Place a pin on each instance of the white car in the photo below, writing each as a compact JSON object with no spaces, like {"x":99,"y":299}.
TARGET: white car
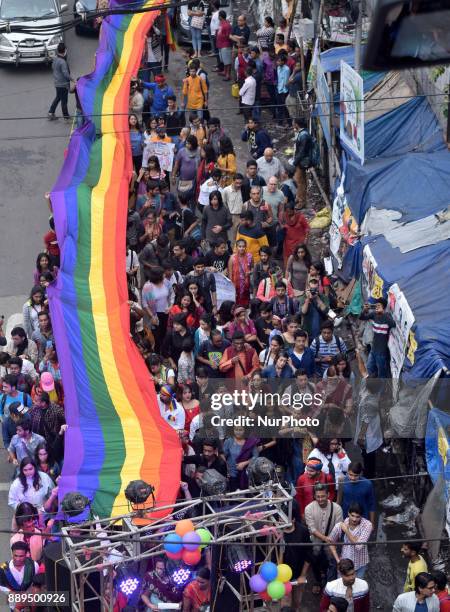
{"x":24,"y":48}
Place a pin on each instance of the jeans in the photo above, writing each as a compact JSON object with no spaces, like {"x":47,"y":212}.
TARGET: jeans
{"x":196,"y":36}
{"x":360,"y":572}
{"x":282,"y":111}
{"x":165,"y":51}
{"x":377,"y":364}
{"x":62,"y":95}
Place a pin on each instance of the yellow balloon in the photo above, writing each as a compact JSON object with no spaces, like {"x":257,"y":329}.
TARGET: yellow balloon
{"x":184,"y":526}
{"x":284,"y":572}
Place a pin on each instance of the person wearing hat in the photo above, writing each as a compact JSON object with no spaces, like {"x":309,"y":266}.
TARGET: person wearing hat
{"x":170,"y":409}
{"x":161,"y":92}
{"x":312,"y":475}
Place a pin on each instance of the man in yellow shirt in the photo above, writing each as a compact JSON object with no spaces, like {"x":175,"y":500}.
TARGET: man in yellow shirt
{"x":195,"y":92}
{"x":417,"y":564}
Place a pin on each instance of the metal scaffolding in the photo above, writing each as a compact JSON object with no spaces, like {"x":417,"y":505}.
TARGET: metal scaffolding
{"x":100,"y":545}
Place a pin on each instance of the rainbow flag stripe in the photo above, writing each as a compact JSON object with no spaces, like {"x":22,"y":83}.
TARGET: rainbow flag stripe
{"x":115,"y":432}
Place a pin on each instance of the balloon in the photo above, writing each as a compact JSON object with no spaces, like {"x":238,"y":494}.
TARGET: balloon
{"x":184,"y":526}
{"x":284,"y":572}
{"x":257,"y":583}
{"x":268,"y":571}
{"x":191,"y":557}
{"x":287,"y":588}
{"x":276,"y":589}
{"x":265,"y":596}
{"x":172,"y":543}
{"x":191,"y":540}
{"x":205,"y":536}
{"x":174,"y":556}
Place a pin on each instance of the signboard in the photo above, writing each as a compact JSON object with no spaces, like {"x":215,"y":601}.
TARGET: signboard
{"x":352,"y":111}
{"x":324,"y":103}
{"x":374,"y":282}
{"x":164,"y":151}
{"x":225,"y":290}
{"x":398,"y":338}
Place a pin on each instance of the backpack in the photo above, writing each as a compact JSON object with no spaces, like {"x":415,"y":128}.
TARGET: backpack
{"x":338,"y":342}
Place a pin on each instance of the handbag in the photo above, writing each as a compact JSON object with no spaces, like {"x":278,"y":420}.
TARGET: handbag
{"x":184,"y":187}
{"x":197,"y":21}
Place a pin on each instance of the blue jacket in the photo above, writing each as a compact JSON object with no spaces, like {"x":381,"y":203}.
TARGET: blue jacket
{"x":262,"y":141}
{"x":307,"y":362}
{"x":159,"y":105}
{"x":270,"y":372}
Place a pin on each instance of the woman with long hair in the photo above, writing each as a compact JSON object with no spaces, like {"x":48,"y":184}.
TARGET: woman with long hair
{"x":196,"y":292}
{"x":31,"y":309}
{"x":238,"y":451}
{"x":45,"y":462}
{"x":152,"y":227}
{"x":32,"y":486}
{"x":297,"y":267}
{"x":317,"y":271}
{"x":44,"y":264}
{"x":27,"y":520}
{"x":207,"y":164}
{"x":216,"y":219}
{"x":240,"y":266}
{"x":154,"y":169}
{"x":226,"y":161}
{"x":136,"y":141}
{"x":189,"y":402}
{"x":269,"y":354}
{"x":280,"y":368}
{"x":173,"y":341}
{"x":184,"y":303}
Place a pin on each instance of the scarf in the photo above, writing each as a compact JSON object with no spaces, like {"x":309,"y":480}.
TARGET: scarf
{"x":7,"y":578}
{"x":167,"y":391}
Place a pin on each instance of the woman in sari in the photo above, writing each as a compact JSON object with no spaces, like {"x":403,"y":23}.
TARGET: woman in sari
{"x":240,"y":267}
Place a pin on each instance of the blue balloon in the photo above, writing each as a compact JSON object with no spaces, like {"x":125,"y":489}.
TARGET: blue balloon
{"x":268,"y":571}
{"x":173,"y":543}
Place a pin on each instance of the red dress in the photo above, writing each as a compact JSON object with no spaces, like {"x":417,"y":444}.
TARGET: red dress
{"x":296,"y":232}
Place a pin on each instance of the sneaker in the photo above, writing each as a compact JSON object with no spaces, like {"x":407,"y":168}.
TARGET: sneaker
{"x":51,"y":116}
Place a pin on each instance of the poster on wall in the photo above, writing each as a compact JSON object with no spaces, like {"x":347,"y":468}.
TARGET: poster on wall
{"x":352,"y":111}
{"x":374,"y":282}
{"x":398,"y":338}
{"x":323,"y":102}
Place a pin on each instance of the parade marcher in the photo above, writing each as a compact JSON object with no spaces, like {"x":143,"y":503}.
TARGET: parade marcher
{"x":63,"y":82}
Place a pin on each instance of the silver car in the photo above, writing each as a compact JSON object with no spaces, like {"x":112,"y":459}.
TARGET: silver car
{"x":23,"y":48}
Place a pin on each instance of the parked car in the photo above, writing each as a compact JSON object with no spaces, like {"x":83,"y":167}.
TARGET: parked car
{"x":82,"y":8}
{"x":183,"y":28}
{"x":23,"y":48}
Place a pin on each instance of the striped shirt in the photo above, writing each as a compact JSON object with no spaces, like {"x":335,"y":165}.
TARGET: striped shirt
{"x":357,"y":553}
{"x":325,"y":349}
{"x":358,"y":600}
{"x":381,"y":326}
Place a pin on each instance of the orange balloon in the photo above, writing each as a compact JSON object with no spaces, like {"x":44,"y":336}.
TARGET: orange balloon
{"x":184,"y":526}
{"x":191,"y":557}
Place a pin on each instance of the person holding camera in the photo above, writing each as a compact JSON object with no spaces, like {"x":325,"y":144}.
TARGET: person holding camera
{"x":314,"y":307}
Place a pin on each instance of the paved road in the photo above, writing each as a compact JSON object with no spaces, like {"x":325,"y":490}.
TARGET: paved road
{"x":31,"y":152}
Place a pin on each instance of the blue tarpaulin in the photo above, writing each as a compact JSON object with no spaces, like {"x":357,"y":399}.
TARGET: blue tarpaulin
{"x":424,"y":277}
{"x":437,"y":445}
{"x":410,"y":127}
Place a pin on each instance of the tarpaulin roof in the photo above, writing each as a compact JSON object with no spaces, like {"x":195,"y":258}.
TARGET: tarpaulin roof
{"x":415,"y":184}
{"x":424,"y":277}
{"x":331,"y":62}
{"x":410,"y":127}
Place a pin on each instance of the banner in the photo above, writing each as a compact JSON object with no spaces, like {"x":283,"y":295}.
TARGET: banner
{"x":164,"y":151}
{"x":225,"y":290}
{"x":398,"y":337}
{"x":352,"y":111}
{"x":324,"y":104}
{"x":374,"y":282}
{"x":437,"y":445}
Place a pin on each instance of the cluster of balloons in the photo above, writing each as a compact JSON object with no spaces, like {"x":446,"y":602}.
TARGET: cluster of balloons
{"x":187,"y":542}
{"x":272,"y":581}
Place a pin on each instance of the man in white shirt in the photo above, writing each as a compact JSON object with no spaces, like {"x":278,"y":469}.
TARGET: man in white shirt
{"x":268,"y":165}
{"x":17,"y":576}
{"x":248,"y":94}
{"x":232,"y":198}
{"x":422,"y":598}
{"x":210,"y":185}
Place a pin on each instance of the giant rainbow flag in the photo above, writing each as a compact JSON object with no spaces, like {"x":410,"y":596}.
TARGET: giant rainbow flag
{"x":115,"y":430}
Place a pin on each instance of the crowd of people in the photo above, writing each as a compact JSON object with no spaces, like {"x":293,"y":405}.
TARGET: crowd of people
{"x":190,"y":225}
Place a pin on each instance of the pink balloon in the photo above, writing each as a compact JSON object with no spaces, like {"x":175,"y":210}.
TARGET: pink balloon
{"x":288,"y":587}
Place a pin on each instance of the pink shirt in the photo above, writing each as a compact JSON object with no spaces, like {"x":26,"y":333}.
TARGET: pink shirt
{"x":223,"y":35}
